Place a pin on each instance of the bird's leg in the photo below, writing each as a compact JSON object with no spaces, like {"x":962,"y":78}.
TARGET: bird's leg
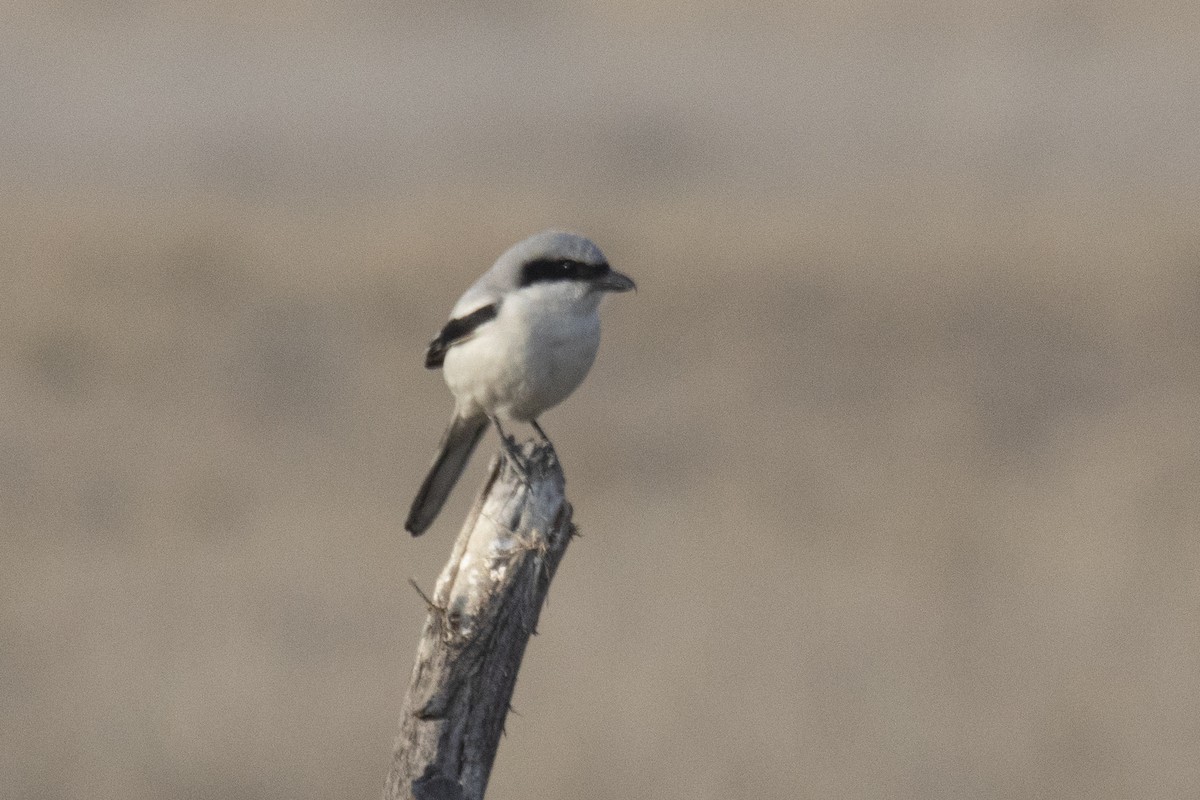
{"x":509,"y":442}
{"x":542,"y":434}
{"x":511,"y":449}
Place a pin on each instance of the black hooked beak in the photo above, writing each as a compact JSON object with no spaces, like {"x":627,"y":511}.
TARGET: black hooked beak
{"x":613,"y":281}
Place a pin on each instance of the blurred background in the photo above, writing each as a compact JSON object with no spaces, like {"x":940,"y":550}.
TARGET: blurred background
{"x":889,"y":474}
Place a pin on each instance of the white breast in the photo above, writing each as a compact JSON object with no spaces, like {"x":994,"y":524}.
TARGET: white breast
{"x":536,"y":351}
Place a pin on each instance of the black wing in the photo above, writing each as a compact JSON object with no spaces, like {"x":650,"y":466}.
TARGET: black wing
{"x":455,"y":331}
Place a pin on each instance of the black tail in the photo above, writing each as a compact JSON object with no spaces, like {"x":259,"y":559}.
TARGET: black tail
{"x":452,"y":456}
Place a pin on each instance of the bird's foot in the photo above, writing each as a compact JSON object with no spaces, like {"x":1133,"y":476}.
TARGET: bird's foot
{"x":516,"y":456}
{"x":513,"y":453}
{"x":545,"y":438}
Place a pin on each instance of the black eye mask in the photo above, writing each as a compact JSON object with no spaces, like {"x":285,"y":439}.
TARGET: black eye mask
{"x":559,"y":269}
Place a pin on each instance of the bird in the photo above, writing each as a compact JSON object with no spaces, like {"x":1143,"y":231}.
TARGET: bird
{"x":519,"y":341}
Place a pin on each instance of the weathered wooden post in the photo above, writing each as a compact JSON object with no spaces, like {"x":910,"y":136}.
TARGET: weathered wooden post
{"x":483,"y":610}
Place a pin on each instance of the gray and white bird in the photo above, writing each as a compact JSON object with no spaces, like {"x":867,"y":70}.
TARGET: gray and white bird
{"x":518,"y":342}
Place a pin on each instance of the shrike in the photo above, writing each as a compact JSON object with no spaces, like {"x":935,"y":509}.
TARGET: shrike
{"x":518,"y":342}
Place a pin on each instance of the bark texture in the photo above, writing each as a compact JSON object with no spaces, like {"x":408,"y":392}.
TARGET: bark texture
{"x":482,"y":612}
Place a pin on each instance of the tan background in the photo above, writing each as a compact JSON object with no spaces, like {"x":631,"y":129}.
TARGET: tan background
{"x":889,"y":474}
